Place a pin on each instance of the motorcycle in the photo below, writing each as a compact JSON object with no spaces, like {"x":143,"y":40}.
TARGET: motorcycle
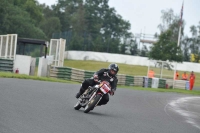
{"x":91,"y":97}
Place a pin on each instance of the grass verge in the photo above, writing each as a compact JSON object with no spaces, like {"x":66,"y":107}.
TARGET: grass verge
{"x":22,"y":76}
{"x":193,"y":92}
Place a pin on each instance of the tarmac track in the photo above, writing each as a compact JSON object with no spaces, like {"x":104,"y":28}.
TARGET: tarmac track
{"x":28,"y":106}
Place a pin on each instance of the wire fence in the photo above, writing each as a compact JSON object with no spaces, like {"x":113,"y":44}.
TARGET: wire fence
{"x":79,"y":41}
{"x":89,"y":41}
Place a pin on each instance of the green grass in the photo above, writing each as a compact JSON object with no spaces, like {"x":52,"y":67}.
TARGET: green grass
{"x":133,"y":70}
{"x":95,"y":65}
{"x":193,"y":92}
{"x":23,"y":76}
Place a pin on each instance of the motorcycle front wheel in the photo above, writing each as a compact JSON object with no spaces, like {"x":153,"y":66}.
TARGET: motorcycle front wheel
{"x":77,"y":106}
{"x":92,"y":103}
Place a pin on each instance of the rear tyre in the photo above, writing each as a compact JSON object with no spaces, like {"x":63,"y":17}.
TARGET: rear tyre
{"x":92,"y":103}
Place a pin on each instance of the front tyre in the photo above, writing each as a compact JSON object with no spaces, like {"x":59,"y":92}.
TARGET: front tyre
{"x":77,"y":106}
{"x":92,"y":103}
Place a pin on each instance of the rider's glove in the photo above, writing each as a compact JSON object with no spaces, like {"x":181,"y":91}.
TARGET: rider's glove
{"x":96,"y":78}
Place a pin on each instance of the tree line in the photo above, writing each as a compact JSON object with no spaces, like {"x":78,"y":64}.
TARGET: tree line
{"x":95,"y":26}
{"x":166,"y":47}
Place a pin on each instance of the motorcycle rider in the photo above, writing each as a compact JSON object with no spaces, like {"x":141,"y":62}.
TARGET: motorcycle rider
{"x":108,"y":75}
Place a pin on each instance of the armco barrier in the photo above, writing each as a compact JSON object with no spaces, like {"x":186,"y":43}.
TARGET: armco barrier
{"x":68,"y":73}
{"x":169,"y":82}
{"x":155,"y":83}
{"x":187,"y":87}
{"x":181,"y":84}
{"x":61,"y":73}
{"x":145,"y":82}
{"x":6,"y":65}
{"x":73,"y":74}
{"x":138,"y":81}
{"x":78,"y":75}
{"x":149,"y":82}
{"x":88,"y":74}
{"x":162,"y":83}
{"x":129,"y":81}
{"x":121,"y":79}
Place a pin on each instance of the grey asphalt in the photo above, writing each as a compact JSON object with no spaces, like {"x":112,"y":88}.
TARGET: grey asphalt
{"x":28,"y":106}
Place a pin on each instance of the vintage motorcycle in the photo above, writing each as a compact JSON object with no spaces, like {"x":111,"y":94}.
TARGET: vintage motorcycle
{"x":91,"y":97}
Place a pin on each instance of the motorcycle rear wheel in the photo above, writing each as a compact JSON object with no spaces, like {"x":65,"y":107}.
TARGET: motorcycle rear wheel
{"x":92,"y":103}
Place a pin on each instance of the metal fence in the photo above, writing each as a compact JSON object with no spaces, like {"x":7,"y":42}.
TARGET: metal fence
{"x":70,"y":35}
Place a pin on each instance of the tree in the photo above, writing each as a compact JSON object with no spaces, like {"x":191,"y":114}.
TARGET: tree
{"x":123,"y":48}
{"x":185,"y":48}
{"x":15,"y":20}
{"x":65,"y":10}
{"x":32,"y":7}
{"x":144,"y":51}
{"x":125,"y":45}
{"x":166,"y":49}
{"x":195,"y":42}
{"x":35,"y":11}
{"x":76,"y":42}
{"x":167,"y":19}
{"x":94,"y":22}
{"x":50,"y":24}
{"x":170,"y":21}
{"x":78,"y":20}
{"x":134,"y":47}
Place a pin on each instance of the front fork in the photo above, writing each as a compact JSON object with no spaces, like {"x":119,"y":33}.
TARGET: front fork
{"x":86,"y":91}
{"x":92,"y":97}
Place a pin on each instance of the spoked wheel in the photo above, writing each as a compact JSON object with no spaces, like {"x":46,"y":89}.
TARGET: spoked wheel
{"x":77,"y":106}
{"x":92,"y":103}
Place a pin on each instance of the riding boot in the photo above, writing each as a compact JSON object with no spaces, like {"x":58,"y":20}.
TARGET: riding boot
{"x":81,"y":91}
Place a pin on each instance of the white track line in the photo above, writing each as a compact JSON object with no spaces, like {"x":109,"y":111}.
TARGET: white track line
{"x":176,"y":105}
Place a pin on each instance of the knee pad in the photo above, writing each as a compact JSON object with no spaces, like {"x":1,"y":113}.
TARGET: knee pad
{"x":85,"y":84}
{"x":105,"y":99}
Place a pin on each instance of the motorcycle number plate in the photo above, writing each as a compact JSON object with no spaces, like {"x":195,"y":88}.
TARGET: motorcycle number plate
{"x":105,"y":89}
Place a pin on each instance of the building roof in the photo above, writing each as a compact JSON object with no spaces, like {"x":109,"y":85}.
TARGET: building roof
{"x":31,"y":41}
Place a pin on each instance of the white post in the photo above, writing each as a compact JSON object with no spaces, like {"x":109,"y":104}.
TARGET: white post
{"x":15,"y":46}
{"x":174,"y":75}
{"x":56,"y":58}
{"x":148,"y":68}
{"x":6,"y":52}
{"x":11,"y":45}
{"x":50,"y":47}
{"x":178,"y":44}
{"x":1,"y":44}
{"x":60,"y":48}
{"x":179,"y":36}
{"x":63,"y":53}
{"x":162,"y":69}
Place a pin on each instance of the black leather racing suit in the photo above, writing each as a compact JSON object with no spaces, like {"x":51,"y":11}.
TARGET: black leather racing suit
{"x":103,"y":76}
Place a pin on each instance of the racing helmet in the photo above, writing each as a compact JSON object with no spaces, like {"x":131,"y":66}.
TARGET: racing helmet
{"x":113,"y":69}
